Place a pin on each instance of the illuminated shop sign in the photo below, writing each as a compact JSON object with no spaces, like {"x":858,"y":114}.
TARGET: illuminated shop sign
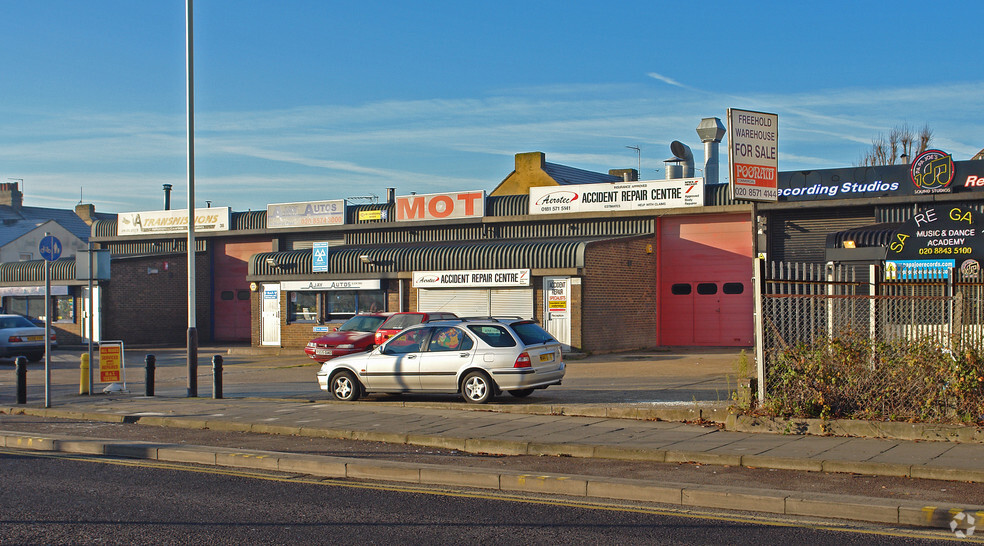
{"x":306,"y":214}
{"x":656,"y":194}
{"x":471,"y":278}
{"x":171,"y":221}
{"x":441,"y":206}
{"x":931,"y":172}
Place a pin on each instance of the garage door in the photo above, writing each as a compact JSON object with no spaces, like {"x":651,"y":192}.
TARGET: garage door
{"x":482,"y":302}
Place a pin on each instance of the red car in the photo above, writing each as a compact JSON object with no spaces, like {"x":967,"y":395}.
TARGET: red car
{"x":400,"y":321}
{"x":354,"y":336}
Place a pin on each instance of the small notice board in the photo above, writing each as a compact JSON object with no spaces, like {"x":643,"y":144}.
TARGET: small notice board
{"x":111,"y":365}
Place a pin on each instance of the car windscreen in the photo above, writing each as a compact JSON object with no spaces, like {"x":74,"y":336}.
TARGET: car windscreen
{"x":361,"y":323}
{"x":494,"y":335}
{"x":16,"y":322}
{"x":531,"y":334}
{"x":399,"y":322}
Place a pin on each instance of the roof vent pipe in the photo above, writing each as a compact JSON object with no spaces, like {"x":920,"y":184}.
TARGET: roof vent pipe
{"x":710,"y":132}
{"x":167,"y":197}
{"x":685,"y":158}
{"x":390,"y":195}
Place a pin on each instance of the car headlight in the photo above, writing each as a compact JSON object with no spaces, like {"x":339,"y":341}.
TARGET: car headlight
{"x":345,"y":346}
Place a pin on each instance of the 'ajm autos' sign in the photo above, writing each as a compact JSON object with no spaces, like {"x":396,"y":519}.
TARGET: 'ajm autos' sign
{"x":471,"y":278}
{"x":172,"y":221}
{"x":306,"y":214}
{"x":680,"y":192}
{"x":753,"y":152}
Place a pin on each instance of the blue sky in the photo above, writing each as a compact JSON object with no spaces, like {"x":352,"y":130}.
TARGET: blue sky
{"x":307,"y":100}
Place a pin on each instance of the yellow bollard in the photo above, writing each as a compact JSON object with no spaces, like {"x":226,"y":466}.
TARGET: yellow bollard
{"x":84,"y":378}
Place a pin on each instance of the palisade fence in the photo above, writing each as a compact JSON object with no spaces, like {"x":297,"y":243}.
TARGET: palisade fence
{"x":815,"y":303}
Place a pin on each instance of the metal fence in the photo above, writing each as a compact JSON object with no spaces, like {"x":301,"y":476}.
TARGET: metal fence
{"x":813,"y":303}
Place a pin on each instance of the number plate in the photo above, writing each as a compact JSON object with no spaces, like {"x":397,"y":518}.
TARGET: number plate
{"x":35,"y":338}
{"x":325,"y":352}
{"x":546,"y":357}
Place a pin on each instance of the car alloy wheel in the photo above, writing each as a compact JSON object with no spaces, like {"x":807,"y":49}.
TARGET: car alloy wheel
{"x":477,"y":388}
{"x":344,"y":387}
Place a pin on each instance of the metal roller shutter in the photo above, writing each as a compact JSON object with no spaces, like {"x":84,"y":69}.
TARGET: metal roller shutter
{"x":512,"y":302}
{"x":464,"y":303}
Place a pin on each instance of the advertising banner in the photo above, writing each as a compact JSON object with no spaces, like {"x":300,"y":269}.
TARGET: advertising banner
{"x":306,"y":214}
{"x":357,"y":284}
{"x":933,"y":172}
{"x":649,"y":194}
{"x":471,"y":278}
{"x":441,"y":206}
{"x":753,"y":152}
{"x":171,"y":221}
{"x":945,"y":235}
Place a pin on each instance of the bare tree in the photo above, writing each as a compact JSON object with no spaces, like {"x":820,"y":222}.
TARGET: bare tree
{"x":901,"y":145}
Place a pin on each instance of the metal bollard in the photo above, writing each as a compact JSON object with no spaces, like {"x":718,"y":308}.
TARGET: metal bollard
{"x":84,"y":374}
{"x":149,"y":369}
{"x":21,"y":365}
{"x":217,"y":376}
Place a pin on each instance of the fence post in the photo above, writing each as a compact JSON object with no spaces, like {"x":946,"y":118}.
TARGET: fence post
{"x":757,"y":280}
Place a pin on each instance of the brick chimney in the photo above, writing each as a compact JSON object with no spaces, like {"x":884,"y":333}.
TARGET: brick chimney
{"x":11,"y":196}
{"x":86,"y":212}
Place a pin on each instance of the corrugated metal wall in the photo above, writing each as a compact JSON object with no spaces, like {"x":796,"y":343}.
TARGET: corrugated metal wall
{"x":800,"y":235}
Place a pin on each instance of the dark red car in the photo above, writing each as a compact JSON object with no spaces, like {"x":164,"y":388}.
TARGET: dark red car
{"x":400,"y":321}
{"x":356,"y":335}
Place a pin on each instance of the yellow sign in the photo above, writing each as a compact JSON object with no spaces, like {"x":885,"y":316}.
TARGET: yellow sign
{"x":110,"y":361}
{"x":370,"y":215}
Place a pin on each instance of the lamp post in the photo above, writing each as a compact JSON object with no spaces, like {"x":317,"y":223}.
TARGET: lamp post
{"x":639,"y":156}
{"x":192,"y":329}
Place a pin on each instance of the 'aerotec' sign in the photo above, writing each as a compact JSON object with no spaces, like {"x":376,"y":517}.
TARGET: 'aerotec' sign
{"x":681,"y":192}
{"x":471,"y":278}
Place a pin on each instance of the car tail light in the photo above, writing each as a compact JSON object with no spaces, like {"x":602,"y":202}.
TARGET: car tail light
{"x":15,"y":339}
{"x":523,"y":361}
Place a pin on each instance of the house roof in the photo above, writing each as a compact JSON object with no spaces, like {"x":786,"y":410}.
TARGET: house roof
{"x":15,"y":223}
{"x":565,"y":175}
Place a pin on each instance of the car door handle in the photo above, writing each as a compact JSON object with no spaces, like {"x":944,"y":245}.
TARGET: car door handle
{"x":464,"y":355}
{"x":412,"y":355}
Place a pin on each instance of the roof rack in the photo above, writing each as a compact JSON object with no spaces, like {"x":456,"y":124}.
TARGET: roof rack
{"x":489,"y":318}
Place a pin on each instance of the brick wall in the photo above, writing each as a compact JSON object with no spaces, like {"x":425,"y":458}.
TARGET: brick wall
{"x":146,"y":302}
{"x":617,"y":297}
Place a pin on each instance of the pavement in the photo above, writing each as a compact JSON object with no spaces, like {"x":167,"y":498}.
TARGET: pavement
{"x":646,"y":408}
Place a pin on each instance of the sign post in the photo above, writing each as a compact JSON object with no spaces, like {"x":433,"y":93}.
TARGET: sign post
{"x":753,"y":153}
{"x":50,"y":249}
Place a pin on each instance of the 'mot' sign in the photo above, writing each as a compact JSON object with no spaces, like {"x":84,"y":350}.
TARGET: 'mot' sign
{"x":440,"y":206}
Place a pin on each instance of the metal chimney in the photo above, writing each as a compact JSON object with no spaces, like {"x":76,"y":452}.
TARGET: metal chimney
{"x":683,"y":159}
{"x":710,"y":132}
{"x":167,"y":197}
{"x":390,"y":195}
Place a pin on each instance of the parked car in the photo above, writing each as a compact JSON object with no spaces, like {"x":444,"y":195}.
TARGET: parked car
{"x":21,"y":337}
{"x":478,"y":358}
{"x":355,"y":335}
{"x":402,"y":320}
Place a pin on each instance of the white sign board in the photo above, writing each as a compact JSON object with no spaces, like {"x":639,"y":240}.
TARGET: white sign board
{"x":306,"y":214}
{"x":652,"y":194}
{"x":753,"y":153}
{"x":471,"y":278}
{"x":172,"y":221}
{"x":441,"y":206}
{"x":357,"y":284}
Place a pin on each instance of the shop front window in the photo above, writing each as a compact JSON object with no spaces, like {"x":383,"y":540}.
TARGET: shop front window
{"x":62,"y":307}
{"x":302,"y":307}
{"x":344,"y":303}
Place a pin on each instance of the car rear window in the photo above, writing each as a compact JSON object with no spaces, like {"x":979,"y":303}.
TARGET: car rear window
{"x":399,"y":322}
{"x":531,"y":334}
{"x":361,"y":323}
{"x":496,"y":336}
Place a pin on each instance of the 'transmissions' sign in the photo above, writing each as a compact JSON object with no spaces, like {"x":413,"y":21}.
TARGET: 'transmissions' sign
{"x":681,"y":192}
{"x":753,"y":151}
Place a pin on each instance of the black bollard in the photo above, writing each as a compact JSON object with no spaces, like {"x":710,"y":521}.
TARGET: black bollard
{"x":217,"y":376}
{"x":151,"y":367}
{"x":21,"y":366}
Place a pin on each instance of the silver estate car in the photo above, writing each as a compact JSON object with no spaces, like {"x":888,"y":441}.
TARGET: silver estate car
{"x":478,"y":358}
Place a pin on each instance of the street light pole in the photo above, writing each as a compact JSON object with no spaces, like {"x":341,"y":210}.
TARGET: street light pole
{"x":639,"y":154}
{"x":192,"y":329}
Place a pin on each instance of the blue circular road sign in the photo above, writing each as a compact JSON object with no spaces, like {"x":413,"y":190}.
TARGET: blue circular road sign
{"x":50,"y":248}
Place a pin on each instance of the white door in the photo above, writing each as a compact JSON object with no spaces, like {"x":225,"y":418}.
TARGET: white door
{"x":96,"y":315}
{"x":557,"y":309}
{"x":512,"y":302}
{"x":270,"y":325}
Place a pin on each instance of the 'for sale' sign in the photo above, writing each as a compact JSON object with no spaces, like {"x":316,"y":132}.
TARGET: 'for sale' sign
{"x":753,"y":152}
